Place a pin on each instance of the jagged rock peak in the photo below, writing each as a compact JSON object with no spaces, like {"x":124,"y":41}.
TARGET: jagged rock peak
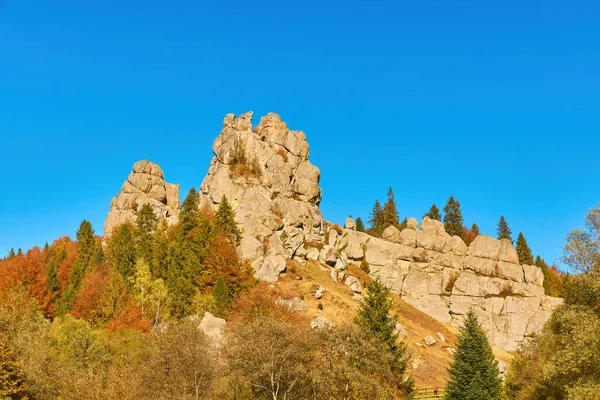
{"x":265,"y":174}
{"x":145,"y":185}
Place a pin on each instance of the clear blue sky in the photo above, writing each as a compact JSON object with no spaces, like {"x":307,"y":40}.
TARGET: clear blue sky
{"x":496,"y":102}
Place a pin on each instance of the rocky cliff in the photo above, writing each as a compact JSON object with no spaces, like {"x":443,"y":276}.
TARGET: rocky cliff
{"x":145,"y":185}
{"x":265,"y":173}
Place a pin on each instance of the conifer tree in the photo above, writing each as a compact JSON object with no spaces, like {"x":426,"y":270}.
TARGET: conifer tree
{"x":221,"y":296}
{"x":376,"y":220}
{"x":360,"y":225}
{"x":11,"y":253}
{"x":12,"y":383}
{"x":541,"y":264}
{"x":374,"y":316}
{"x":390,"y":212}
{"x":146,"y":223}
{"x":122,"y":251}
{"x":453,"y":219}
{"x":19,"y":252}
{"x":504,"y":231}
{"x":433,"y":213}
{"x":403,"y":224}
{"x":523,"y":250}
{"x":475,"y":229}
{"x":190,"y":212}
{"x":474,"y":373}
{"x":225,"y":221}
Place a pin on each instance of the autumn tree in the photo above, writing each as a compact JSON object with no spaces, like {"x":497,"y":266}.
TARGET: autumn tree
{"x":360,"y":225}
{"x":12,"y":382}
{"x":433,"y":213}
{"x":523,"y":251}
{"x":504,"y":231}
{"x":474,"y":373}
{"x":225,"y":221}
{"x":453,"y":218}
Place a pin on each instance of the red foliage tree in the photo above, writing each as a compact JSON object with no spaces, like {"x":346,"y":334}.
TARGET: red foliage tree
{"x":130,"y":317}
{"x":89,"y":303}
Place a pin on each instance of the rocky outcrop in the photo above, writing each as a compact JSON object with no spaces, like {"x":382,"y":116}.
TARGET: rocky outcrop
{"x":439,"y":275}
{"x":145,"y":185}
{"x":265,"y":174}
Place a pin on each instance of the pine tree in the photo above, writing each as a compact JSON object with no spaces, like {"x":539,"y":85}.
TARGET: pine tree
{"x":453,"y":219}
{"x":374,"y":316}
{"x":504,"y":231}
{"x":12,"y":384}
{"x":11,"y":253}
{"x":190,"y":213}
{"x":433,"y":213}
{"x":403,"y":224}
{"x":146,"y":223}
{"x":475,"y":229}
{"x":523,"y":250}
{"x":122,"y":251}
{"x":222,"y":297}
{"x":376,"y":220}
{"x":541,"y":264}
{"x":360,"y":225}
{"x":474,"y":373}
{"x":390,"y":212}
{"x":19,"y":252}
{"x":225,"y":221}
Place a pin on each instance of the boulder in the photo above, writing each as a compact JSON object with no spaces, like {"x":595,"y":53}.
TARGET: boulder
{"x":433,"y":225}
{"x":350,"y":224}
{"x":412,"y":223}
{"x":429,"y":340}
{"x":408,"y":237}
{"x":328,"y":255}
{"x":484,"y":247}
{"x":322,"y":323}
{"x":455,"y":245}
{"x":399,"y":330}
{"x":533,"y":275}
{"x":212,"y":326}
{"x":319,"y":292}
{"x":441,"y":336}
{"x":391,"y":233}
{"x":293,"y":304}
{"x":507,"y":252}
{"x":353,"y":284}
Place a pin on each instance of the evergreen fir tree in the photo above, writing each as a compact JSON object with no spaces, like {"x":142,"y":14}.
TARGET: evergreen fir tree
{"x":51,"y":275}
{"x":11,"y":253}
{"x":523,"y":250}
{"x":390,"y":212}
{"x":403,"y":224}
{"x":541,"y":264}
{"x":376,"y":220}
{"x":190,"y":213}
{"x":12,"y":383}
{"x":475,"y":229}
{"x":474,"y":373}
{"x":225,"y":221}
{"x":453,"y":219}
{"x":504,"y":231}
{"x":146,"y":223}
{"x":433,"y":213}
{"x":222,"y":297}
{"x":374,"y":316}
{"x":160,"y":252}
{"x":360,"y":225}
{"x":123,"y":252}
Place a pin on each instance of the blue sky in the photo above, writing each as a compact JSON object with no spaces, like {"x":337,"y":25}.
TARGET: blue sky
{"x":497,"y":103}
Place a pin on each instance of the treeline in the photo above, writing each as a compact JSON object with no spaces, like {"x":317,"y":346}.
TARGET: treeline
{"x":387,"y":215}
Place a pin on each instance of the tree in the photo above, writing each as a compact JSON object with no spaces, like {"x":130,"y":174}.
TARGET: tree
{"x":390,"y":212}
{"x":376,"y":220}
{"x":122,"y":251}
{"x":474,"y":373}
{"x":11,"y":253}
{"x":504,"y":231}
{"x":12,"y":383}
{"x":222,"y":297}
{"x":475,"y":229}
{"x":453,"y":219}
{"x":374,"y":316}
{"x":360,"y":225}
{"x":190,"y":213}
{"x":582,"y":246}
{"x":523,"y":251}
{"x":225,"y":221}
{"x":541,"y":264}
{"x":433,"y":213}
{"x":146,"y":223}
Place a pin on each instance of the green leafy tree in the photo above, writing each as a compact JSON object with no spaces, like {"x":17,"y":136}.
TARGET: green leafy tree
{"x":360,"y":225}
{"x":374,"y":316}
{"x":222,"y":297}
{"x":453,"y":218}
{"x":12,"y":383}
{"x":390,"y":212}
{"x":146,"y":223}
{"x":474,"y":373}
{"x":433,"y":213}
{"x":475,"y":229}
{"x":89,"y":253}
{"x":523,"y":250}
{"x":376,"y":219}
{"x":225,"y":221}
{"x":504,"y":231}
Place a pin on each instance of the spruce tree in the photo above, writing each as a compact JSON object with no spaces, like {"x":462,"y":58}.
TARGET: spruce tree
{"x":190,"y":212}
{"x":390,"y":212}
{"x":19,"y":252}
{"x":433,"y":213}
{"x":474,"y":229}
{"x":523,"y":250}
{"x":360,"y":225}
{"x":376,"y":219}
{"x":474,"y":373}
{"x":11,"y":253}
{"x":221,"y":296}
{"x":453,"y":219}
{"x":504,"y":231}
{"x":122,"y":251}
{"x":225,"y":221}
{"x":541,"y":264}
{"x":146,"y":223}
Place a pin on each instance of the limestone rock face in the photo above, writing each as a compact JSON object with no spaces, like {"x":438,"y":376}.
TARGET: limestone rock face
{"x":444,"y":278}
{"x":266,"y":176}
{"x":145,"y":185}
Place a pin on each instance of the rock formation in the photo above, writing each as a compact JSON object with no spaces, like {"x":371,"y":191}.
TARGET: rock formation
{"x":145,"y":185}
{"x":265,"y":174}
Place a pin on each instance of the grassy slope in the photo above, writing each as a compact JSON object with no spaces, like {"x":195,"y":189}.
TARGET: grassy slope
{"x":429,"y":362}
